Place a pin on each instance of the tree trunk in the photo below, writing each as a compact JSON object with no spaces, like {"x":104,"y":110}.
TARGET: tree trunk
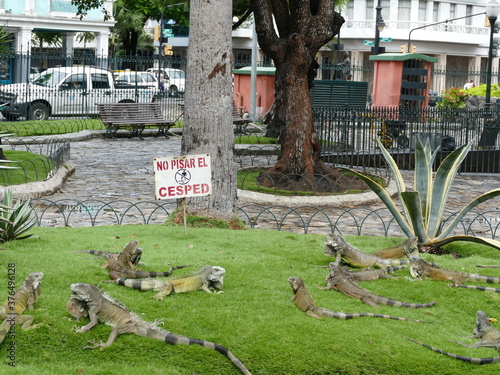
{"x":304,"y":26}
{"x":208,"y":126}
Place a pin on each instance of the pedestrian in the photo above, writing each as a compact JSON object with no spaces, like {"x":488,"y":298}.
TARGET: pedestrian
{"x":469,"y":85}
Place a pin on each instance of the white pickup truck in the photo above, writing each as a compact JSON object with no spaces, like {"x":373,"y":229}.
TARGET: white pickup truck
{"x":67,"y":91}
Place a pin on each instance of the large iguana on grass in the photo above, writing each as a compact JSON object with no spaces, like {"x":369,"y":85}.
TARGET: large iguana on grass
{"x":25,"y":297}
{"x":488,"y":336}
{"x":117,"y":266}
{"x":335,"y":244}
{"x":209,"y":277}
{"x":102,"y":308}
{"x":408,"y":248}
{"x":305,"y":302}
{"x":421,"y":269}
{"x":339,"y":279}
{"x":135,"y":259}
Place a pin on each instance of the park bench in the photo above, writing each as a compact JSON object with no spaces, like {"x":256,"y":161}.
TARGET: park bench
{"x":240,"y":123}
{"x":136,"y":116}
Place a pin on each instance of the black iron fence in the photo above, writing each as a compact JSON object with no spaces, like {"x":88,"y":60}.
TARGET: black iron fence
{"x":349,"y":135}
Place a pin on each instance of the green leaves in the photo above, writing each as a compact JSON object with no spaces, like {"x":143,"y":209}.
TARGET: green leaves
{"x":15,"y":220}
{"x":423,"y":208}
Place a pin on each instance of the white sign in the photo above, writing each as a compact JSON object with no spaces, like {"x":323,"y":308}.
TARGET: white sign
{"x":182,"y":176}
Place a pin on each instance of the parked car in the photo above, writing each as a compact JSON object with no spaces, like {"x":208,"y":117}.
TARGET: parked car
{"x":66,"y":91}
{"x":35,"y":72}
{"x":139,"y":79}
{"x":173,"y":80}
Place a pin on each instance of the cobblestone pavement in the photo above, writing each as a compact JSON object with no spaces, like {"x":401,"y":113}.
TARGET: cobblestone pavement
{"x":122,"y":171}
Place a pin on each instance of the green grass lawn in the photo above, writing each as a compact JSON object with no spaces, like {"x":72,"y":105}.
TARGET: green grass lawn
{"x":30,"y":167}
{"x":50,"y":127}
{"x":254,"y":317}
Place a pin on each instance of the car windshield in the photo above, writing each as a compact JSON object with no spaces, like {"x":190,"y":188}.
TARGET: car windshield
{"x":49,"y":78}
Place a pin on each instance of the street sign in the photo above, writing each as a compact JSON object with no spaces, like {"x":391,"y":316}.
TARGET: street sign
{"x":182,"y":176}
{"x":386,"y":39}
{"x":369,"y":43}
{"x":167,"y":33}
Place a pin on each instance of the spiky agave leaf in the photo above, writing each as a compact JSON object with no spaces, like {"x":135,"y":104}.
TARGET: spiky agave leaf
{"x":445,"y":175}
{"x":482,"y":198}
{"x":386,"y":198}
{"x":484,"y":241}
{"x":16,"y":220}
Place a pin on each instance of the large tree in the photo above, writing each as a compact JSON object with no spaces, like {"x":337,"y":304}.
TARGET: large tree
{"x":291,"y":32}
{"x":208,"y":126}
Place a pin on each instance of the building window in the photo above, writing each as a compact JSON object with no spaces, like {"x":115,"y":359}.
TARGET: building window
{"x":435,"y":11}
{"x":404,"y":11}
{"x":350,"y":10}
{"x":422,"y":10}
{"x":370,"y":9}
{"x":453,"y":8}
{"x":468,"y":10}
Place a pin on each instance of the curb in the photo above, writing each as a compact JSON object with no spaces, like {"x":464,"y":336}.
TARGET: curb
{"x":360,"y":199}
{"x":41,"y":188}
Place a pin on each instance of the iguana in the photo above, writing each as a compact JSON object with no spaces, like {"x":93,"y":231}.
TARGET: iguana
{"x":25,"y":297}
{"x":104,"y":309}
{"x":483,"y":330}
{"x":335,"y":244}
{"x":407,"y":248}
{"x":305,"y":302}
{"x":421,"y":269}
{"x":487,"y":335}
{"x":117,"y":266}
{"x":209,"y":277}
{"x":339,"y":279}
{"x":135,"y":258}
{"x":370,"y":275}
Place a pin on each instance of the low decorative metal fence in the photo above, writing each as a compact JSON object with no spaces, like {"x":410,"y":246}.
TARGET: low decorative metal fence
{"x":346,"y":221}
{"x":54,"y":152}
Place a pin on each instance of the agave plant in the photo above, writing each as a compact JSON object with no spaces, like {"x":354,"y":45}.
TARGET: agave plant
{"x":423,"y":208}
{"x":15,"y":220}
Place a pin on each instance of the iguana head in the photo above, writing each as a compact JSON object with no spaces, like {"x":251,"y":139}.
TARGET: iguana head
{"x":333,"y":245}
{"x":83,"y":292}
{"x":412,"y":248}
{"x":77,"y":309}
{"x":136,"y":256}
{"x":419,"y":266}
{"x":34,"y":279}
{"x":295,"y":283}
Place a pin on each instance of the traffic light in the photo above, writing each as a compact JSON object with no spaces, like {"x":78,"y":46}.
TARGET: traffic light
{"x":167,"y":50}
{"x":404,"y":48}
{"x":413,"y":49}
{"x":157,"y":33}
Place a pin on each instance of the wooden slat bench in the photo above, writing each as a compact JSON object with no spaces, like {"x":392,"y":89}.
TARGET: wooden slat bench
{"x":240,"y":123}
{"x":136,"y":116}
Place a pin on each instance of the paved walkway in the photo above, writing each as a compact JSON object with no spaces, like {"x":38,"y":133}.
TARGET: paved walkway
{"x":121,"y":170}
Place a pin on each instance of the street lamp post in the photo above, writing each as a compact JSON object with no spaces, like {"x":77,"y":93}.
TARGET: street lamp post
{"x":379,"y":26}
{"x":492,"y":10}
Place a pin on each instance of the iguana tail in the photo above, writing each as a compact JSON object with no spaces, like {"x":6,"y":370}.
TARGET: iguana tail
{"x":392,"y":302}
{"x":97,"y":253}
{"x":477,"y":361}
{"x":142,"y":284}
{"x":346,"y":316}
{"x":483,"y":288}
{"x":133,"y":274}
{"x":483,"y":278}
{"x":172,"y":338}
